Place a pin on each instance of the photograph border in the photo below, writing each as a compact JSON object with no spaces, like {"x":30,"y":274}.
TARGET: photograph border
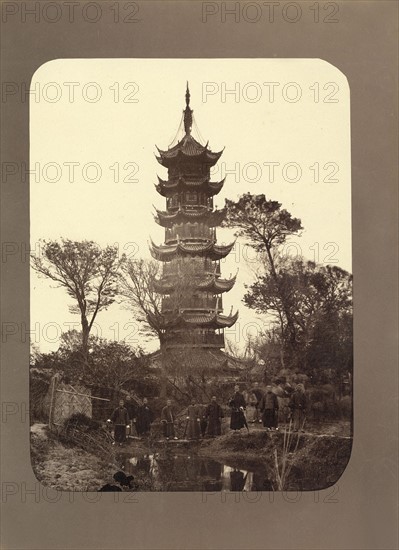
{"x":359,"y":511}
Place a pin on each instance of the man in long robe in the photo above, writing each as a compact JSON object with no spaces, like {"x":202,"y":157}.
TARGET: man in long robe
{"x":237,"y":480}
{"x":144,"y":418}
{"x":258,"y":393}
{"x":131,"y":411}
{"x":168,"y":420}
{"x":120,"y":418}
{"x":203,"y":420}
{"x":214,"y":414}
{"x":238,"y":406}
{"x":298,"y":405}
{"x":269,"y":409}
{"x":193,"y":420}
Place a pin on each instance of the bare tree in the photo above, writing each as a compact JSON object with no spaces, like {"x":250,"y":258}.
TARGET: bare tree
{"x":155,"y":298}
{"x":138,"y":286}
{"x":138,"y":290}
{"x":88,"y":273}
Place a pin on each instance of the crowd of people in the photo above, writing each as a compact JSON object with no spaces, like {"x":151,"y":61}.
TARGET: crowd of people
{"x":275,"y":403}
{"x":280,"y":402}
{"x":128,"y":415}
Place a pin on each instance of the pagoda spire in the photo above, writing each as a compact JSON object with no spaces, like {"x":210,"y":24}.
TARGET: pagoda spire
{"x":188,"y":113}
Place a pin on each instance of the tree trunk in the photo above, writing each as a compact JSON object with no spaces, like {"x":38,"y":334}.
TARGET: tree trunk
{"x":291,"y":337}
{"x":85,"y":343}
{"x":164,"y":377}
{"x":282,"y":358}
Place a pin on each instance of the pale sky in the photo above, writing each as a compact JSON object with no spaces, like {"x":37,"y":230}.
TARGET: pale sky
{"x":94,"y":124}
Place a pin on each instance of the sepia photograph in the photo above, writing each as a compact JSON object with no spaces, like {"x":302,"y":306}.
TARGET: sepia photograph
{"x":191,"y":297}
{"x":199,"y":264}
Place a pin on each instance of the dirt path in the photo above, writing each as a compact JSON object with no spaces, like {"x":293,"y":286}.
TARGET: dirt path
{"x":63,"y":468}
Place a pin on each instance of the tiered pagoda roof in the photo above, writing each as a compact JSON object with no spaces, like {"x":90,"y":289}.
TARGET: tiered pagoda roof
{"x":210,"y":319}
{"x":169,"y":188}
{"x":188,"y":149}
{"x":201,"y":214}
{"x":210,"y":283}
{"x":209,"y":249}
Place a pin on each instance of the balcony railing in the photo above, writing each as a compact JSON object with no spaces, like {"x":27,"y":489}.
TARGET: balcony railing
{"x":192,"y":303}
{"x":201,"y":265}
{"x":193,"y":339}
{"x":189,"y":231}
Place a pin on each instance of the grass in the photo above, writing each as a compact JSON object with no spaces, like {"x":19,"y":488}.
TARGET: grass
{"x":284,"y":466}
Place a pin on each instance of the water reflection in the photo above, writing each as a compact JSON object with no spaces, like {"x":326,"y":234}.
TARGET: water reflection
{"x":171,"y":471}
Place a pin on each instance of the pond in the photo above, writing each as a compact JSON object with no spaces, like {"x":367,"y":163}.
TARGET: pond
{"x":182,"y":470}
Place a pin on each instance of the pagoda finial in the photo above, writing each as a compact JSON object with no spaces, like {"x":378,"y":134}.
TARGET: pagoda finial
{"x":188,"y":113}
{"x":187,"y":95}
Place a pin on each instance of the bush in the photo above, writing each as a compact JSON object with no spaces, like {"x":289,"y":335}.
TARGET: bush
{"x":81,"y":431}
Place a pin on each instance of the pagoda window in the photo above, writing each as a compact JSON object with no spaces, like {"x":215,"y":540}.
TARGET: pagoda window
{"x":192,"y":169}
{"x":169,"y":234}
{"x":191,"y":197}
{"x":191,"y":230}
{"x":173,"y":201}
{"x":173,"y":172}
{"x":203,"y":199}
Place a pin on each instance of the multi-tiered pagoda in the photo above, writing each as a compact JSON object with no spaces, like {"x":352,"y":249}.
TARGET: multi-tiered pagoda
{"x":191,"y":284}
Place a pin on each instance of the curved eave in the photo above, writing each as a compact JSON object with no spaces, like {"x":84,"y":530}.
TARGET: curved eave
{"x":226,"y":320}
{"x":213,"y":218}
{"x":223,"y":250}
{"x":216,"y":186}
{"x":168,"y":188}
{"x":187,"y":145}
{"x":204,"y":320}
{"x":166,"y":253}
{"x":205,"y":157}
{"x":224,"y":285}
{"x":218,"y":286}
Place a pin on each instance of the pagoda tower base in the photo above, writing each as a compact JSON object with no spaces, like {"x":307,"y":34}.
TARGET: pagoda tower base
{"x":197,"y":372}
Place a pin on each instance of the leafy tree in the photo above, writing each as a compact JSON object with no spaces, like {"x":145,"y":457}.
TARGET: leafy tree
{"x":110,"y":364}
{"x":112,"y":369}
{"x":263,"y":222}
{"x":311,"y":304}
{"x":266,"y":226}
{"x":320,"y":303}
{"x":88,"y":273}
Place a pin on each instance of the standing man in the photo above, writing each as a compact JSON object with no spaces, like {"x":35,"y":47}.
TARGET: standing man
{"x":237,"y":480}
{"x":131,"y":411}
{"x":298,"y":404}
{"x":168,"y":420}
{"x":193,"y":420}
{"x":258,"y":393}
{"x":214,"y":414}
{"x":203,"y":420}
{"x":269,"y":408}
{"x":121,"y":420}
{"x":238,"y":406}
{"x":283,"y":400}
{"x":144,"y":418}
